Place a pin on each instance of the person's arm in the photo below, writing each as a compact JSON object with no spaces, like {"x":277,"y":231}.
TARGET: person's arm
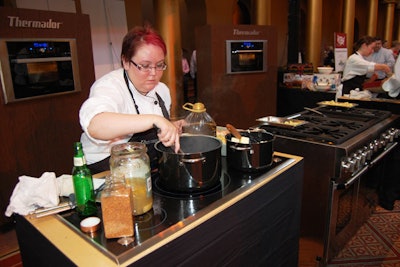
{"x":108,"y":126}
{"x":383,"y":67}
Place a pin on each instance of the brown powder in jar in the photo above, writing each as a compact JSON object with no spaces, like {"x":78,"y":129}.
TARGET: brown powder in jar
{"x":117,"y":214}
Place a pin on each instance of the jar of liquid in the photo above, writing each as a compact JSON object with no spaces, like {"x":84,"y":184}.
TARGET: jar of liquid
{"x":131,"y":160}
{"x":198,"y":121}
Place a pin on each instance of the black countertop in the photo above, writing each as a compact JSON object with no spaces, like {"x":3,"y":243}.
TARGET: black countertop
{"x":170,"y":210}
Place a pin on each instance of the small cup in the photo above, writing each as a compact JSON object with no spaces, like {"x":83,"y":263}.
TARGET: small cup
{"x":90,"y":224}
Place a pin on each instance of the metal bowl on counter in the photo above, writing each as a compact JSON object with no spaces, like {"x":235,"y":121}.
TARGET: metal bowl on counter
{"x":196,"y":167}
{"x":255,"y":155}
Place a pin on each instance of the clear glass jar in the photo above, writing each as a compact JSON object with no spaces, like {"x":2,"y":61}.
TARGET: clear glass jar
{"x":131,"y":160}
{"x":116,"y":206}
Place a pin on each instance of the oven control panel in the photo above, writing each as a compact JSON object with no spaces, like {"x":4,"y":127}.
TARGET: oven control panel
{"x":369,"y":154}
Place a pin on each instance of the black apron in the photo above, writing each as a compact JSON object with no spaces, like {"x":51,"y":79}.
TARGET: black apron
{"x":353,"y":83}
{"x":149,"y":138}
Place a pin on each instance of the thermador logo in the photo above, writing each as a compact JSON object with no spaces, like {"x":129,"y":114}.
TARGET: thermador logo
{"x":239,"y":32}
{"x":21,"y":23}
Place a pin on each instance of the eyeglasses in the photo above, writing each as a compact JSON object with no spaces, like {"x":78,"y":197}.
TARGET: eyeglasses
{"x":147,"y":68}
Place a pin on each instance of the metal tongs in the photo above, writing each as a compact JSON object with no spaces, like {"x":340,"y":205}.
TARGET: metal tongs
{"x":63,"y":206}
{"x":315,"y":111}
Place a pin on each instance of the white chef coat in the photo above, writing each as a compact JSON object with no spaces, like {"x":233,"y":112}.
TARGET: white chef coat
{"x":110,"y":94}
{"x":356,"y":65}
{"x":392,"y":85}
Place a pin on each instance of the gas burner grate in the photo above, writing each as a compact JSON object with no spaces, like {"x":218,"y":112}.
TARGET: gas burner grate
{"x":359,"y":114}
{"x":335,"y":126}
{"x":312,"y":133}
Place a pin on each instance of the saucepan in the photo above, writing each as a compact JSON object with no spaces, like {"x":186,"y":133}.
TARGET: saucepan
{"x":196,"y":167}
{"x":255,"y":154}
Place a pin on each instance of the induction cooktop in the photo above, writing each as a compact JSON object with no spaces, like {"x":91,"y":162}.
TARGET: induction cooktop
{"x":171,"y":209}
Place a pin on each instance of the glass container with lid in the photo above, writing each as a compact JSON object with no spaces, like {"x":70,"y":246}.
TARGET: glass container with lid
{"x":131,"y":160}
{"x":198,"y":121}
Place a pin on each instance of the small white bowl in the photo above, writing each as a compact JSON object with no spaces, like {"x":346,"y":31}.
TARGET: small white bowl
{"x":325,"y":70}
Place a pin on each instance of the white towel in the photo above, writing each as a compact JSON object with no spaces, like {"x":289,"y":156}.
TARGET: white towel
{"x":363,"y":94}
{"x":31,"y":193}
{"x":392,"y":86}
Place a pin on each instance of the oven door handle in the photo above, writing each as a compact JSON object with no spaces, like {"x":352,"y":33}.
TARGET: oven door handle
{"x":388,"y":149}
{"x":348,"y":183}
{"x":248,"y":51}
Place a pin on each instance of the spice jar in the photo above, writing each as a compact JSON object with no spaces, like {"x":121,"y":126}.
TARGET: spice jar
{"x":116,"y":206}
{"x":131,"y":160}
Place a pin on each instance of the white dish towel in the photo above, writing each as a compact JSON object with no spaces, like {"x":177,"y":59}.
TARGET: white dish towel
{"x":31,"y":193}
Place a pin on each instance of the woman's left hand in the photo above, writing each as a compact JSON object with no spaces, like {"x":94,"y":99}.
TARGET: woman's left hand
{"x":179,"y":124}
{"x":168,"y":133}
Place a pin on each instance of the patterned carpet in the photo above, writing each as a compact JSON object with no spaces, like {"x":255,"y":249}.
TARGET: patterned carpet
{"x":377,"y":242}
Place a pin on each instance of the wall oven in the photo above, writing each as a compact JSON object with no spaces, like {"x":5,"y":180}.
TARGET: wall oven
{"x":32,"y":68}
{"x":246,"y":56}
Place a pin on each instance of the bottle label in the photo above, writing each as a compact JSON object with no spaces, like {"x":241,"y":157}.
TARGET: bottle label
{"x":79,"y":161}
{"x":148,"y":183}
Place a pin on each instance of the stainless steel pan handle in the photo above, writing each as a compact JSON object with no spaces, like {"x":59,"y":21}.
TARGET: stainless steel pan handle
{"x":240,"y":148}
{"x":193,"y":160}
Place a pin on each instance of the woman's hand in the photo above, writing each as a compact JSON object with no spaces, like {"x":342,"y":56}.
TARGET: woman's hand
{"x":384,"y":68}
{"x":179,"y":124}
{"x":168,"y":133}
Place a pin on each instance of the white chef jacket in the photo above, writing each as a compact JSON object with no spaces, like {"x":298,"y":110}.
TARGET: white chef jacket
{"x":356,"y":65}
{"x":392,"y":85}
{"x":110,"y":94}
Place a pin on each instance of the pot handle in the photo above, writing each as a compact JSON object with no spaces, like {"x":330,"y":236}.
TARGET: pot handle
{"x":240,"y":148}
{"x":193,"y":160}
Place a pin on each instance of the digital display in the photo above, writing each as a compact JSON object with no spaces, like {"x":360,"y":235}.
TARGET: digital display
{"x":40,"y":45}
{"x":248,"y":45}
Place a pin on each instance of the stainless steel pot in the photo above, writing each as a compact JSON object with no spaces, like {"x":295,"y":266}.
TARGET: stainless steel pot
{"x":256,"y":155}
{"x":197,"y":168}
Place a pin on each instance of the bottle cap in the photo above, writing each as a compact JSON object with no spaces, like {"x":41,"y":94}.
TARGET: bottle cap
{"x":196,"y":107}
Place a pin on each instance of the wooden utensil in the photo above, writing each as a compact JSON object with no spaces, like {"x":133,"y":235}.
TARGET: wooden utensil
{"x":233,"y":131}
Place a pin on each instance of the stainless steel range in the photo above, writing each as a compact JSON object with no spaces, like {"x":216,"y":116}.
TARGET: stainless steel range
{"x":343,"y":148}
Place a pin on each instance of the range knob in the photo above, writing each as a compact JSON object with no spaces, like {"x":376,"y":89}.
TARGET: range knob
{"x":357,"y":161}
{"x":373,"y":146}
{"x":347,"y":165}
{"x":354,"y":164}
{"x":394,"y":133}
{"x":378,"y":144}
{"x":384,"y":139}
{"x":363,"y":156}
{"x":368,"y":152}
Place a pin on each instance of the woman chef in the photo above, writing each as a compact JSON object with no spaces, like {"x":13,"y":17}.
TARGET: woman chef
{"x":130,"y":103}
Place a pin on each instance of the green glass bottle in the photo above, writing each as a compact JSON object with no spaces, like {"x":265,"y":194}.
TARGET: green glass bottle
{"x":83,"y":184}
